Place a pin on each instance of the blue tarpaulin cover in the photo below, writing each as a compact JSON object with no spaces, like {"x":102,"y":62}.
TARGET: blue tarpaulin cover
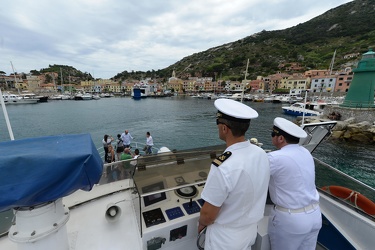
{"x":38,"y":170}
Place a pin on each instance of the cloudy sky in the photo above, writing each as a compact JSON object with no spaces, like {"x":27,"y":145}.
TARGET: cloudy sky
{"x":106,"y":37}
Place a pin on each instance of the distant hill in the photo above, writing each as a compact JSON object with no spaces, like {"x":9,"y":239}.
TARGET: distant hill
{"x":348,"y":28}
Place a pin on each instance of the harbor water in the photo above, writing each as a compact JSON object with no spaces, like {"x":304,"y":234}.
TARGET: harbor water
{"x":175,"y":122}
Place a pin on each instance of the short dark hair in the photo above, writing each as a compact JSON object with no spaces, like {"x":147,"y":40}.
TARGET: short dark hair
{"x":291,"y":139}
{"x":288,"y":138}
{"x":238,"y":128}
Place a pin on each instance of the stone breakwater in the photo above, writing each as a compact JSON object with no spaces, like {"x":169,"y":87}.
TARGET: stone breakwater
{"x":354,"y":125}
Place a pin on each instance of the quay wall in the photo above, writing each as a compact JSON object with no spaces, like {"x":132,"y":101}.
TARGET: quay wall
{"x":359,"y":115}
{"x":356,"y":125}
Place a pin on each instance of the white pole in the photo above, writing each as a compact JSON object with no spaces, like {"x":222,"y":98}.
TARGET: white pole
{"x":6,"y":116}
{"x":243,"y":87}
{"x":304,"y":109}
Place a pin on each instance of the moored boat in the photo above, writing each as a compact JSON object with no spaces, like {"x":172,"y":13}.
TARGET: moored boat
{"x":13,"y":99}
{"x":299,"y":109}
{"x":29,"y":95}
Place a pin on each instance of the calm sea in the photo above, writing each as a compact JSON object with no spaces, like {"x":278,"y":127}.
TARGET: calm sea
{"x":176,"y":122}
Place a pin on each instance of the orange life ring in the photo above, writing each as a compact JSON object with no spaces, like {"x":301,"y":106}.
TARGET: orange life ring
{"x":359,"y":200}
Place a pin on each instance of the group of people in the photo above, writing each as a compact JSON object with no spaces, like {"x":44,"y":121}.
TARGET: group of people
{"x":121,"y":152}
{"x":238,"y":182}
{"x":122,"y":146}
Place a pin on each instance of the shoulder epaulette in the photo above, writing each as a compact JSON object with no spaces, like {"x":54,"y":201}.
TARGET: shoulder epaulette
{"x":221,"y":158}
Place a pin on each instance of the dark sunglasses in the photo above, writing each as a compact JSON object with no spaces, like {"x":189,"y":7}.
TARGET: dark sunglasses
{"x":275,"y":133}
{"x":219,"y":122}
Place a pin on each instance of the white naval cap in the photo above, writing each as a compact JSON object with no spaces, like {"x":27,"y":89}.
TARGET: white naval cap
{"x":234,"y":110}
{"x":288,"y":127}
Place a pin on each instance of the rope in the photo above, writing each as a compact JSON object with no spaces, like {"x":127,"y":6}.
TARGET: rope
{"x":350,"y":195}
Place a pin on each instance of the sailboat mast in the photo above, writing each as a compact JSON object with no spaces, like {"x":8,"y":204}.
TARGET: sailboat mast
{"x":62,"y":86}
{"x":332,"y":62}
{"x":243,"y":87}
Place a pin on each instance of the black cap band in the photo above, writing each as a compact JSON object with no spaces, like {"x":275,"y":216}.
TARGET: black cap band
{"x":279,"y":131}
{"x":230,"y":118}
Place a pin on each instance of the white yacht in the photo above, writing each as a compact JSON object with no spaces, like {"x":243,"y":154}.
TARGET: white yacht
{"x":12,"y":99}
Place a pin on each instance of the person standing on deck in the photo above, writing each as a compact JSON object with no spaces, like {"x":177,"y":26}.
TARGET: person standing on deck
{"x":126,"y":171}
{"x":149,"y":143}
{"x":236,"y":189}
{"x":107,"y":140}
{"x":119,"y":147}
{"x":296,"y":219}
{"x":126,"y":138}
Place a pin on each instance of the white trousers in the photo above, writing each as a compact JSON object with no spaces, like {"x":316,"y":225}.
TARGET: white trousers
{"x":220,"y":237}
{"x":292,"y":231}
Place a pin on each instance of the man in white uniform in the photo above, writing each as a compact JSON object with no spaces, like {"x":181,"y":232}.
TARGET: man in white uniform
{"x":236,"y":188}
{"x":296,"y":219}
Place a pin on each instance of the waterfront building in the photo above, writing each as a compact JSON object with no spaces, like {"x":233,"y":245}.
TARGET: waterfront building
{"x":323,"y":84}
{"x":189,"y":85}
{"x":255,"y":85}
{"x":128,"y":86}
{"x":317,"y":72}
{"x":48,"y":87}
{"x":175,"y":83}
{"x":219,"y":86}
{"x":295,"y":82}
{"x":233,"y":86}
{"x":361,"y":90}
{"x":343,"y":80}
{"x":33,"y":83}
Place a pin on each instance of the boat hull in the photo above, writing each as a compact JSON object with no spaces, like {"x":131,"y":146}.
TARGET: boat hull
{"x":298,"y":113}
{"x":21,"y":101}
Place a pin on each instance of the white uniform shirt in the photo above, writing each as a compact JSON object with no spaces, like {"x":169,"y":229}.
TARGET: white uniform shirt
{"x":292,"y":182}
{"x":239,"y":185}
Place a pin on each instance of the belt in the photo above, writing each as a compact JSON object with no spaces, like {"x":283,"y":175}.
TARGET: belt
{"x":298,"y":210}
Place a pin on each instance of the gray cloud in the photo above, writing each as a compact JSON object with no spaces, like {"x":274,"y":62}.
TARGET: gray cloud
{"x":105,"y":37}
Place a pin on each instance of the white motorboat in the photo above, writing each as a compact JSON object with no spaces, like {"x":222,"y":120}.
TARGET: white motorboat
{"x":12,"y":99}
{"x":87,"y":96}
{"x":83,"y":96}
{"x":156,"y":209}
{"x":29,"y":95}
{"x":300,"y":109}
{"x":236,"y":96}
{"x":60,"y":97}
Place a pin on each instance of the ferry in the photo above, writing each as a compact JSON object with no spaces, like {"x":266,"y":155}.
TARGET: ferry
{"x":141,"y":91}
